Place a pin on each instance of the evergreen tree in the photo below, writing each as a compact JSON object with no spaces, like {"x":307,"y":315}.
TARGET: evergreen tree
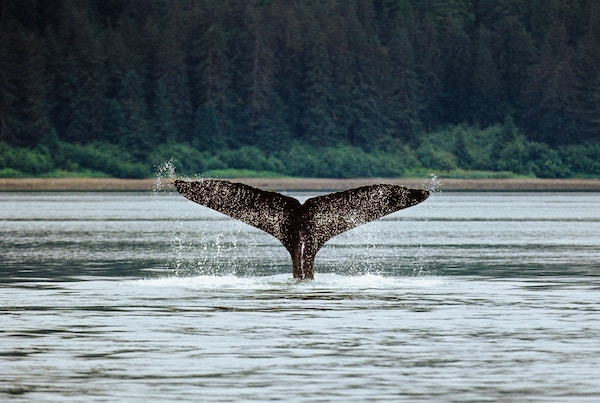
{"x":429,"y":69}
{"x":550,"y":92}
{"x":456,"y":51}
{"x":267,"y":111}
{"x":23,"y":110}
{"x":321,"y":93}
{"x":227,"y":74}
{"x":171,"y":103}
{"x":587,"y":80}
{"x":512,"y":49}
{"x":135,"y":134}
{"x":488,"y":101}
{"x":76,"y":65}
{"x":403,"y":82}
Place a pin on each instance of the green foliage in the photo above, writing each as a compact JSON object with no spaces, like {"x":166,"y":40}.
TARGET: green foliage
{"x":11,"y":173}
{"x":101,"y":157}
{"x":469,"y":151}
{"x":27,"y":161}
{"x":187,"y":159}
{"x":582,"y":160}
{"x":96,"y":159}
{"x":546,"y":162}
{"x":458,"y":152}
{"x":342,"y":162}
{"x":241,"y":173}
{"x":250,"y":158}
{"x":435,"y":159}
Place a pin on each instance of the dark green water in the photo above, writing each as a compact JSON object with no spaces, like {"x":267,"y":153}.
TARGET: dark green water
{"x":139,"y":297}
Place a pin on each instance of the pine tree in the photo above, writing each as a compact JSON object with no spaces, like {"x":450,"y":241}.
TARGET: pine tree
{"x":321,"y":92}
{"x":78,"y":83}
{"x":172,"y":109}
{"x":430,"y":73}
{"x":23,"y":104}
{"x":135,"y":134}
{"x":551,"y":92}
{"x":587,"y":104}
{"x":404,"y":84}
{"x":487,"y":104}
{"x":214,"y":73}
{"x":268,"y":114}
{"x":456,"y":51}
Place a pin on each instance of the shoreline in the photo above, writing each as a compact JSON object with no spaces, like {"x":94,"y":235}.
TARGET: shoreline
{"x":305,"y":184}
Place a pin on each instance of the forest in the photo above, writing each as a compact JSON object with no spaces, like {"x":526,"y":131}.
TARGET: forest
{"x":328,"y":88}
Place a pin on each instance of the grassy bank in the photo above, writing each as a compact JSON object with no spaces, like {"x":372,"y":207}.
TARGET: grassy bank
{"x":315,"y":184}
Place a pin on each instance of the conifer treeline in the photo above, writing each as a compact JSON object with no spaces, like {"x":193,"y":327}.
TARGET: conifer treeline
{"x":229,"y":73}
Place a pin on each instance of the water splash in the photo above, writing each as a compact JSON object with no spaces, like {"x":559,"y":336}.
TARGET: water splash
{"x":179,"y":242}
{"x":164,"y":174}
{"x":433,"y":184}
{"x":196,"y":248}
{"x":422,"y":264}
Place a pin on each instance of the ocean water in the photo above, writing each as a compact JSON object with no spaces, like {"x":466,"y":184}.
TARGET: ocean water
{"x":149,"y":297}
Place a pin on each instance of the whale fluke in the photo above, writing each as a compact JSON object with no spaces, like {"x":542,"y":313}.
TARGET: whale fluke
{"x":302,"y":228}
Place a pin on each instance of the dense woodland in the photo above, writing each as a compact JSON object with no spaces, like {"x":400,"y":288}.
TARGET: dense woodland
{"x":305,"y":87}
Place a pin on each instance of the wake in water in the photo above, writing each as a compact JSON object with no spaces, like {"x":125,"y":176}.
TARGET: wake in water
{"x":329,"y":281}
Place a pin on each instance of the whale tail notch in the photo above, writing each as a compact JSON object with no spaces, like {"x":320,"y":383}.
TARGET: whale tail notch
{"x":302,"y":228}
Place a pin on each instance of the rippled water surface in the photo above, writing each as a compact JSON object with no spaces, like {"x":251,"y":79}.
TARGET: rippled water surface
{"x":149,"y":297}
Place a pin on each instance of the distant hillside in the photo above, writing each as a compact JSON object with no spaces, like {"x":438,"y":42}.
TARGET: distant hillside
{"x":300,"y":88}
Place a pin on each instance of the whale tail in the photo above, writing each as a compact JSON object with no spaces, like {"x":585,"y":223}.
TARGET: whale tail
{"x":302,"y":228}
